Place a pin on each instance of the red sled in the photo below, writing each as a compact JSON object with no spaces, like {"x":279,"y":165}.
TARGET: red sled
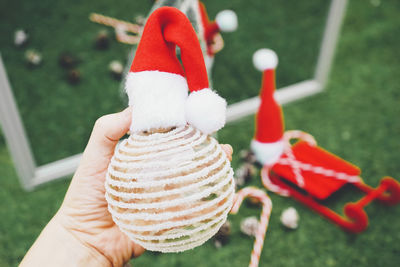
{"x":322,"y":174}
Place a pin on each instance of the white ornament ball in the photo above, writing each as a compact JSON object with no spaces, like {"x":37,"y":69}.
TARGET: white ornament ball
{"x":171,"y":190}
{"x":290,"y":218}
{"x":227,"y":20}
{"x":264,"y":59}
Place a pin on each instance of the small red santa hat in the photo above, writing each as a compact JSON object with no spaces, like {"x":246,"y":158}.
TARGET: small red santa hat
{"x":225,"y":21}
{"x":157,"y":84}
{"x":267,"y":144}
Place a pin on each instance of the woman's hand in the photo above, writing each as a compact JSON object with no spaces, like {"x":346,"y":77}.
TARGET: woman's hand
{"x":84,"y":211}
{"x":83,"y":232}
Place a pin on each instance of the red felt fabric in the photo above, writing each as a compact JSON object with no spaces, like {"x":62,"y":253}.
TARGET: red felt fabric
{"x":317,"y":185}
{"x":355,"y":219}
{"x":210,"y":27}
{"x":269,"y":118}
{"x":166,"y":28}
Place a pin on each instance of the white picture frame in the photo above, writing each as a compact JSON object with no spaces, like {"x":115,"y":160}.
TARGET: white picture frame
{"x":31,"y":175}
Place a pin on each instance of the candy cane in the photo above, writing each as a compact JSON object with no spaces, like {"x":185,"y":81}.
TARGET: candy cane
{"x":123,"y":36}
{"x":108,"y":21}
{"x":121,"y":28}
{"x":296,"y":134}
{"x":264,"y":218}
{"x":268,"y":184}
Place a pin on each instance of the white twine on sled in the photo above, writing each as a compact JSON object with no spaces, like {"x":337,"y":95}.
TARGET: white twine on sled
{"x":298,"y":167}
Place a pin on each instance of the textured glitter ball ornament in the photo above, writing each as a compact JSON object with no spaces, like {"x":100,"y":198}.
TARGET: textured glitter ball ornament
{"x":170,"y":185}
{"x":170,"y":191}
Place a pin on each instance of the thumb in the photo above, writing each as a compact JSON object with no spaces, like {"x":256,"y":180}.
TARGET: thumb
{"x":106,"y":133}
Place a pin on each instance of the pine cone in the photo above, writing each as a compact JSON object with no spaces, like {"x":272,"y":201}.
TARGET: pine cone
{"x":249,"y":226}
{"x":222,"y":236}
{"x":245,"y":173}
{"x":116,"y":68}
{"x":67,"y":60}
{"x":74,"y":76}
{"x":33,"y":57}
{"x":102,"y":40}
{"x":247,"y":156}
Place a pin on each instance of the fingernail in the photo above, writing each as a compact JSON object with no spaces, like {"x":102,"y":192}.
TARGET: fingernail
{"x":229,"y":147}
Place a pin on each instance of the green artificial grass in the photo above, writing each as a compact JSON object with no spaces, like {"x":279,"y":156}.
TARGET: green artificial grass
{"x":53,"y":110}
{"x":355,"y":118}
{"x":58,"y":116}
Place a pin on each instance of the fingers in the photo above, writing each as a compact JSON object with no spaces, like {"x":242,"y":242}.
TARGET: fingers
{"x":137,"y":250}
{"x":228,"y":150}
{"x":111,"y":127}
{"x":108,"y":130}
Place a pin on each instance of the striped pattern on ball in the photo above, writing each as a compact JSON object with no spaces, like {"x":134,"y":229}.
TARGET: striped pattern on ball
{"x":169,"y":191}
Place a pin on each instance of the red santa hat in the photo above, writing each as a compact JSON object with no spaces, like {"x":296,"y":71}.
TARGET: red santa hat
{"x":225,"y":21}
{"x":267,"y":143}
{"x":158,"y":84}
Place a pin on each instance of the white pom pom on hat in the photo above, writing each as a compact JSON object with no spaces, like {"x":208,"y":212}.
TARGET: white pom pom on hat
{"x":205,"y":103}
{"x":264,"y":59}
{"x":158,"y":84}
{"x":227,"y":20}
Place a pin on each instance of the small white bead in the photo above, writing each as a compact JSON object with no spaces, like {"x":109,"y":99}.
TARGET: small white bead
{"x":290,"y":218}
{"x":20,"y":37}
{"x":116,"y":67}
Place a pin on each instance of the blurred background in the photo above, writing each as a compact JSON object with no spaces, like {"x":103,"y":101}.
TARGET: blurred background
{"x":62,"y":82}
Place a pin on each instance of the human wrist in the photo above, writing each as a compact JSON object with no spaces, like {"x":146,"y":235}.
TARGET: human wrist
{"x":88,"y":255}
{"x":56,"y":246}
